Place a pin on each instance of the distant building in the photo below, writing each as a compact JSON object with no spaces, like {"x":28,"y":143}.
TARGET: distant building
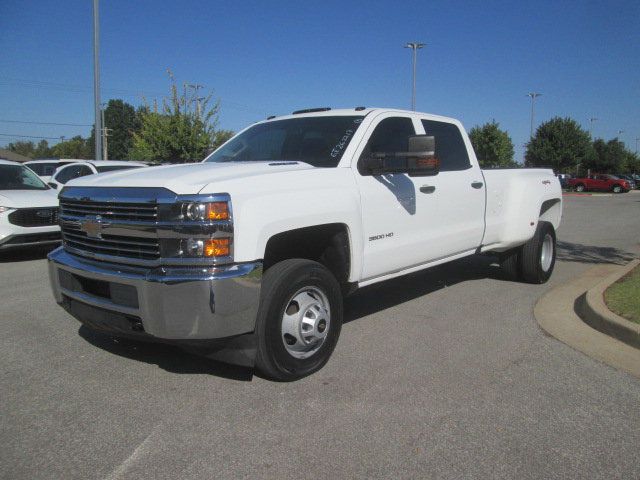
{"x":13,"y":156}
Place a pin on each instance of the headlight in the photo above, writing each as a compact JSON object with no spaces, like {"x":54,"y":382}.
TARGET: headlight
{"x":5,"y":209}
{"x":207,"y":247}
{"x":205,"y":227}
{"x":210,"y":211}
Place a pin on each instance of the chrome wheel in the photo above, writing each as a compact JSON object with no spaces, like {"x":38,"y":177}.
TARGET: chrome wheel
{"x":546,"y":253}
{"x":305,"y":322}
{"x":580,"y":188}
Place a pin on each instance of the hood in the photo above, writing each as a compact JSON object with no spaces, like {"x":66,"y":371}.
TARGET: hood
{"x":186,"y":179}
{"x":28,"y":198}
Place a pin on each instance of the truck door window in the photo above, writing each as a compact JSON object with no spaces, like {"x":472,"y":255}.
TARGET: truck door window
{"x":391,"y":135}
{"x":450,"y":147}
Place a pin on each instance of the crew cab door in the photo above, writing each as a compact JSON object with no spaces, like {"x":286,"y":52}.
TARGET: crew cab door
{"x":460,"y":188}
{"x":408,"y":221}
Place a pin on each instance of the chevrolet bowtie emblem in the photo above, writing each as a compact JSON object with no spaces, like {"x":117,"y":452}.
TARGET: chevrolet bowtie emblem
{"x":93,"y":226}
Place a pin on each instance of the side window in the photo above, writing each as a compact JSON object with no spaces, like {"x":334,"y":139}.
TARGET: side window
{"x":391,"y":135}
{"x":71,"y":172}
{"x":450,"y":147}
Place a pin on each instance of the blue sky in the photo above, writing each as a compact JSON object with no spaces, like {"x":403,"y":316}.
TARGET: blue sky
{"x":270,"y":58}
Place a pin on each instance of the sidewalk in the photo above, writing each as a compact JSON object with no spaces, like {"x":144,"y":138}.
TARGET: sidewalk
{"x":556,"y":314}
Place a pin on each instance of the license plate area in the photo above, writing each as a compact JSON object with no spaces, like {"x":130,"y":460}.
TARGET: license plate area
{"x":116,"y":293}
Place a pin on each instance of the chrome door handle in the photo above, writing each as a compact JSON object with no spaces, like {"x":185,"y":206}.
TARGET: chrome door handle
{"x":427,"y":189}
{"x":477,"y":184}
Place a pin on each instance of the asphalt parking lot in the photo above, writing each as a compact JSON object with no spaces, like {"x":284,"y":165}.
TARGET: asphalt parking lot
{"x":441,"y":374}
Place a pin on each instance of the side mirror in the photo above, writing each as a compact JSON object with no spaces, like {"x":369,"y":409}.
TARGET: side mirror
{"x":418,"y":161}
{"x":53,"y":185}
{"x":421,"y":159}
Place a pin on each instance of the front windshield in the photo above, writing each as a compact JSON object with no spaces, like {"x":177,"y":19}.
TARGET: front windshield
{"x":17,"y":177}
{"x":318,"y":141}
{"x":614,"y":177}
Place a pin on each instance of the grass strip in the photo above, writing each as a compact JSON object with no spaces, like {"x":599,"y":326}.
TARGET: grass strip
{"x":623,"y":297}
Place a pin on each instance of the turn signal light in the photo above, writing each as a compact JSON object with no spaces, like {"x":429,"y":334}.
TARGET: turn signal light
{"x":217,"y":247}
{"x":218,"y":211}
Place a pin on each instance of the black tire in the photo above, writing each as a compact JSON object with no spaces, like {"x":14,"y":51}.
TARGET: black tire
{"x":532,"y":260}
{"x":580,"y":188}
{"x":279,"y":285}
{"x":617,"y":189}
{"x":510,"y":263}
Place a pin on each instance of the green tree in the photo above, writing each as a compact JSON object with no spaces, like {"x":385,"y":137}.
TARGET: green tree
{"x":23,"y":148}
{"x":42,"y":150}
{"x":123,"y":121}
{"x":560,"y":144}
{"x":492,"y":145}
{"x":76,"y":147}
{"x":176,"y":131}
{"x":220,"y":137}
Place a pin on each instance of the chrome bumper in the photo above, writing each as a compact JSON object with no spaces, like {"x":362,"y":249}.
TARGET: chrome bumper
{"x":164,"y":303}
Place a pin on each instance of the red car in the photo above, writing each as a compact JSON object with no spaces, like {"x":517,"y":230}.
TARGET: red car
{"x":606,"y":183}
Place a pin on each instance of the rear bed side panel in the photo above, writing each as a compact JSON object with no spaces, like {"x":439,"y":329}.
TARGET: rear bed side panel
{"x":516,"y":201}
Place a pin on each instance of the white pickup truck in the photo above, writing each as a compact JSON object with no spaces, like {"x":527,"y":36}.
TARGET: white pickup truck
{"x":246,"y":256}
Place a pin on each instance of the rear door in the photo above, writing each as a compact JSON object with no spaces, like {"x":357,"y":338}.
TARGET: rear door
{"x":460,"y":190}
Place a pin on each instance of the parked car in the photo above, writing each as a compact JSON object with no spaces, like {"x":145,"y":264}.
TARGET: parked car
{"x":246,"y":256}
{"x":603,"y":183}
{"x":629,"y":178}
{"x":45,"y":168}
{"x":28,"y":208}
{"x":89,"y":167}
{"x":563,"y":178}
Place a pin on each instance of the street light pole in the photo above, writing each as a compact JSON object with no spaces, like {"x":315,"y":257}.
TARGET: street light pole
{"x":96,"y":83}
{"x":533,"y":96}
{"x":414,"y":46}
{"x":591,"y":120}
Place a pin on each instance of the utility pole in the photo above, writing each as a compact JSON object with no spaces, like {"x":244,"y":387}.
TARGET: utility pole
{"x":533,"y":96}
{"x":96,"y":82}
{"x":620,"y":132}
{"x":591,"y":120}
{"x":637,"y":139}
{"x":105,"y":133}
{"x":196,"y":99}
{"x":414,"y":46}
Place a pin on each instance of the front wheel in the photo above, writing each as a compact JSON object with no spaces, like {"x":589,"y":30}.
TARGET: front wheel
{"x":617,"y":189}
{"x":538,"y":255}
{"x":299,"y":319}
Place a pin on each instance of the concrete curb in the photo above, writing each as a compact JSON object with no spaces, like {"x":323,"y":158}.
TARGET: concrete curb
{"x":555,"y":313}
{"x":592,"y":309}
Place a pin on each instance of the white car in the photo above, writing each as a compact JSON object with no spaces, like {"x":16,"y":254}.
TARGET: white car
{"x":28,"y":208}
{"x":46,"y":168}
{"x":83,"y":168}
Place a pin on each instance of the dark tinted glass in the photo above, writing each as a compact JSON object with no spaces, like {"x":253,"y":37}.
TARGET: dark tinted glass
{"x":391,"y":135}
{"x":113,"y":168}
{"x":17,"y":177}
{"x":450,"y":148}
{"x":318,"y":141}
{"x":45,"y":169}
{"x":71,"y":172}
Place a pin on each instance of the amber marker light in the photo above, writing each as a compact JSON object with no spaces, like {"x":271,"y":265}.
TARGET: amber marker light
{"x":217,"y":247}
{"x":218,"y":211}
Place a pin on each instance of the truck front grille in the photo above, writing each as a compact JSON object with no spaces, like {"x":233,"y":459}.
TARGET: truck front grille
{"x":110,"y":210}
{"x":114,"y":245}
{"x":34,"y":217}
